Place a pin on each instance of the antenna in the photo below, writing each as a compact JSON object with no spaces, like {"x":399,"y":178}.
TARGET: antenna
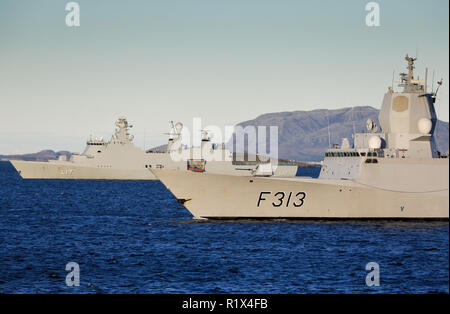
{"x":432,"y":84}
{"x":434,"y":96}
{"x":439,"y":85}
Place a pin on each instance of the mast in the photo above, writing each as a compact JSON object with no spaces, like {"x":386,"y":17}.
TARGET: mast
{"x":410,"y":67}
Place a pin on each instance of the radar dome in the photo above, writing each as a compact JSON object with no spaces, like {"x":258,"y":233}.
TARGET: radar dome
{"x":424,"y":125}
{"x":178,"y":127}
{"x":374,"y":142}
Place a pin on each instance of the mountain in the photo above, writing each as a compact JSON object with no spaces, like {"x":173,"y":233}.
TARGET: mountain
{"x":157,"y":149}
{"x":43,"y":155}
{"x":303,"y":135}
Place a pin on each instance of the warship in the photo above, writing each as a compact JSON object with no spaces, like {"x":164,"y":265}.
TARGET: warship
{"x":391,"y":172}
{"x":120,"y":159}
{"x":117,"y":159}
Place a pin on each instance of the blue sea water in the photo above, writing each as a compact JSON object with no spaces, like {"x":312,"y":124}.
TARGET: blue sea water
{"x":133,"y":237}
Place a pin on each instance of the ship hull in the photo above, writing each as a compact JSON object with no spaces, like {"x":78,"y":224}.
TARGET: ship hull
{"x":67,"y":170}
{"x":215,"y":196}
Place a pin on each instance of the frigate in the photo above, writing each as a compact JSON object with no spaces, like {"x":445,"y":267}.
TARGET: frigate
{"x":117,"y":159}
{"x":391,"y":172}
{"x":120,"y":159}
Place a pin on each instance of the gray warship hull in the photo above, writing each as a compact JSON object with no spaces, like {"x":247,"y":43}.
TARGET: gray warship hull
{"x":67,"y":170}
{"x":216,"y":196}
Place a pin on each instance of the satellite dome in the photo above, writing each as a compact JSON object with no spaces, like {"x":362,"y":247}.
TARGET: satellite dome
{"x":178,"y":127}
{"x":374,"y":142}
{"x":424,"y":125}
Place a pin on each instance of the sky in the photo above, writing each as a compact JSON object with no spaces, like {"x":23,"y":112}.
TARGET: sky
{"x":223,"y":61}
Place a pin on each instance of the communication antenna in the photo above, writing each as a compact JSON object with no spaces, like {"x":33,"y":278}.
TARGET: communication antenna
{"x":437,"y":89}
{"x":175,"y":130}
{"x":434,"y":95}
{"x":432,"y":84}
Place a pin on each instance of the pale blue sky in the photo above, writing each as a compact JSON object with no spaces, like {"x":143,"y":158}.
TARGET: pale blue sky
{"x":224,"y":61}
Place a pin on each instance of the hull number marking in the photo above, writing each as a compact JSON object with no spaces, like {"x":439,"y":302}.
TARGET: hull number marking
{"x":279,"y":199}
{"x":66,"y":172}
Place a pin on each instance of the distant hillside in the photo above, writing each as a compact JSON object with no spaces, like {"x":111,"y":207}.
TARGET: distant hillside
{"x":157,"y":149}
{"x":303,"y":135}
{"x":43,"y":155}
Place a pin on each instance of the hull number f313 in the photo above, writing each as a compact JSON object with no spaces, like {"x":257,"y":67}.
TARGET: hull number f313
{"x":285,"y":199}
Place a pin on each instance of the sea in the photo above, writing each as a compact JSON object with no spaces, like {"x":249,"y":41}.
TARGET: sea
{"x":133,"y":237}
